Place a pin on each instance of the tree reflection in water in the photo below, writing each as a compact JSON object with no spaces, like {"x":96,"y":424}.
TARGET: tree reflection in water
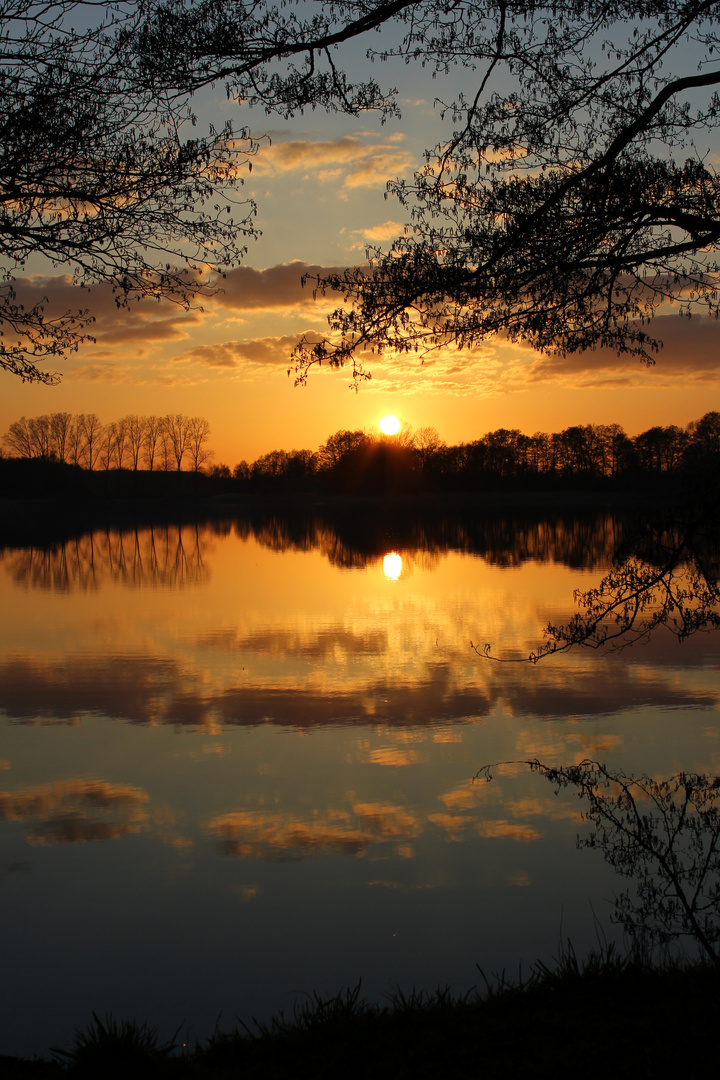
{"x":665,"y":835}
{"x":665,"y":573}
{"x":349,"y":538}
{"x":164,"y":555}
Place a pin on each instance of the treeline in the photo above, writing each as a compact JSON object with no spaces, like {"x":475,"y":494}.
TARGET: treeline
{"x":167,"y":443}
{"x":354,"y":461}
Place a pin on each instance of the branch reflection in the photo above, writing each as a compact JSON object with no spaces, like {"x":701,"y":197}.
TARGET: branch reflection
{"x":665,"y":575}
{"x":664,"y":835}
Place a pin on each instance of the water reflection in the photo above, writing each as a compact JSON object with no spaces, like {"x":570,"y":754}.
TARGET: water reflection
{"x":663,"y":836}
{"x":282,"y":756}
{"x":392,"y":566}
{"x":152,"y":690}
{"x":267,"y":835}
{"x":166,"y":555}
{"x":74,"y":811}
{"x":176,"y":554}
{"x":356,"y":540}
{"x":665,"y":576}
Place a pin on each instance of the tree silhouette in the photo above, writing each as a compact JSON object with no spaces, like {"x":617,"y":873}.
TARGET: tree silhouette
{"x":100,"y":176}
{"x":568,"y":202}
{"x":573,"y":196}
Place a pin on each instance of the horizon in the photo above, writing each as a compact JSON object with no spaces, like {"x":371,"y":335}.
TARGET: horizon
{"x":402,"y":436}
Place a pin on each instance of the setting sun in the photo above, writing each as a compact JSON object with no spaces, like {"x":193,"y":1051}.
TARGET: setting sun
{"x":389,"y":425}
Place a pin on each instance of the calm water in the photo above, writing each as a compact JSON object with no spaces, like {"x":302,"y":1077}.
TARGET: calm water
{"x":236,"y":763}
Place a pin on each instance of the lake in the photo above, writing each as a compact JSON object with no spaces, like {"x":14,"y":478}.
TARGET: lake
{"x":238,"y":760}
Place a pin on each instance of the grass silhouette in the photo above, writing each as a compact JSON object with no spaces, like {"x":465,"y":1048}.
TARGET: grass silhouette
{"x":608,"y":1014}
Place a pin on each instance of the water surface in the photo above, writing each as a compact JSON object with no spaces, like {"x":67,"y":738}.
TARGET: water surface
{"x":237,"y":762}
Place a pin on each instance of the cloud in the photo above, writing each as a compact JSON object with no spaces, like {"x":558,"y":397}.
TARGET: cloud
{"x":477,"y":371}
{"x":129,"y":339}
{"x":332,"y":642}
{"x":376,"y":234}
{"x":144,"y":689}
{"x":100,"y":371}
{"x":124,"y":337}
{"x":488,"y":368}
{"x":358,"y":161}
{"x":254,"y":834}
{"x":137,"y":322}
{"x":691,"y":351}
{"x":273,"y":288}
{"x":505,"y":830}
{"x":388,"y":230}
{"x":379,"y":167}
{"x":267,"y":352}
{"x":74,"y":811}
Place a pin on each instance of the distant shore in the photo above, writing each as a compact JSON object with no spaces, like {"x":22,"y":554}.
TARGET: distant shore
{"x":47,"y":518}
{"x":45,"y":502}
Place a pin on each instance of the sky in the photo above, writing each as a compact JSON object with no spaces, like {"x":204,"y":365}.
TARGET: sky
{"x":320,"y":185}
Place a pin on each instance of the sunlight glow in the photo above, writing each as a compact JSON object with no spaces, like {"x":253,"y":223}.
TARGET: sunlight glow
{"x":389,"y":425}
{"x":392,"y":566}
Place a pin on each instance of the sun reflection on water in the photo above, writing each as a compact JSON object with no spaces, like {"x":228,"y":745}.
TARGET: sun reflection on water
{"x":392,"y":566}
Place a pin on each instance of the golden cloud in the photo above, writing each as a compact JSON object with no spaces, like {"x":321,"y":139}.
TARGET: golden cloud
{"x":360,"y":161}
{"x":378,"y":167}
{"x":451,"y":824}
{"x":73,"y":811}
{"x":505,"y":830}
{"x":394,"y":756}
{"x":264,"y":835}
{"x":388,"y":230}
{"x":388,"y":821}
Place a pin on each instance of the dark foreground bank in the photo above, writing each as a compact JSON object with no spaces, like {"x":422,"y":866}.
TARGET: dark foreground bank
{"x":607,"y":1017}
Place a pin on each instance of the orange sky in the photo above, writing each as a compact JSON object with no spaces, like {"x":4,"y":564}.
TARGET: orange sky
{"x":319,"y":185}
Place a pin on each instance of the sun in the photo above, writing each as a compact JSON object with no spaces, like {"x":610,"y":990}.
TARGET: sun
{"x":389,"y":425}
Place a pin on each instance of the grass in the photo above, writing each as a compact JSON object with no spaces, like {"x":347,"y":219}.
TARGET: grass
{"x":605,"y":1015}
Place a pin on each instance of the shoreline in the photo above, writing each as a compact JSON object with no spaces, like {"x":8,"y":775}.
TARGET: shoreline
{"x":604,"y":1015}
